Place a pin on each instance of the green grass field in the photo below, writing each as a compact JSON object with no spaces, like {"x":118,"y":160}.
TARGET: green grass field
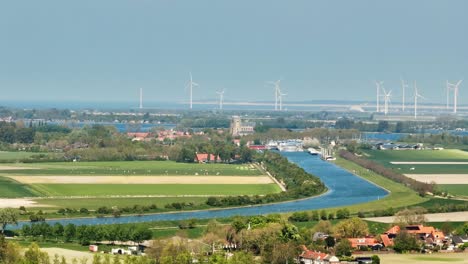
{"x":133,"y":168}
{"x":384,"y":157}
{"x":13,"y":189}
{"x":153,"y":189}
{"x":400,"y":195}
{"x":455,"y":189}
{"x":16,"y":155}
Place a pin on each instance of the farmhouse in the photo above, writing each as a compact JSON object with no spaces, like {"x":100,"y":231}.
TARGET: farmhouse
{"x":365,"y":242}
{"x":316,"y":257}
{"x":207,"y":158}
{"x":428,"y":234}
{"x":139,"y":136}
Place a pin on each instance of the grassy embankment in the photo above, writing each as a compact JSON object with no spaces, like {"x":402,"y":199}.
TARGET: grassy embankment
{"x":400,"y":195}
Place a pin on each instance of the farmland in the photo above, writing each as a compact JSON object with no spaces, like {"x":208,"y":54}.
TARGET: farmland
{"x":15,"y":155}
{"x":419,"y":161}
{"x":129,"y":168}
{"x":445,"y":167}
{"x":94,"y":184}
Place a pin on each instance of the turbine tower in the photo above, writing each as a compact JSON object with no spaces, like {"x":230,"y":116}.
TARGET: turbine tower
{"x":190,"y":85}
{"x":221,"y":99}
{"x":281,"y":100}
{"x":379,"y":85}
{"x":403,"y":88}
{"x":455,"y":95}
{"x":141,"y":98}
{"x":416,"y":96}
{"x":448,"y":87}
{"x":386,"y":100}
{"x":277,"y":92}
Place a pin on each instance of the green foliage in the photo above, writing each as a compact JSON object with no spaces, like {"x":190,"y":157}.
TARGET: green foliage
{"x":7,"y":216}
{"x":343,"y":248}
{"x":405,"y":242}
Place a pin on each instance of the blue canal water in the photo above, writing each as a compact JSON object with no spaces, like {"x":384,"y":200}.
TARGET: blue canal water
{"x":344,"y":189}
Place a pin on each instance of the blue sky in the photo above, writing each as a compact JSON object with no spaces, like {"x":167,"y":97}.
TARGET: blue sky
{"x":105,"y":50}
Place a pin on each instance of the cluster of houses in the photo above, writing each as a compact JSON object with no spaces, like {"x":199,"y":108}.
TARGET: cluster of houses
{"x":159,"y":136}
{"x":429,"y":236}
{"x":394,"y":146}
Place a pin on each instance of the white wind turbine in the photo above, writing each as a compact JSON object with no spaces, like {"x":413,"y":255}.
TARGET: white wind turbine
{"x":379,"y":85}
{"x":416,"y":96}
{"x":455,"y":95}
{"x":141,"y":98}
{"x":277,"y":92}
{"x":448,"y":87}
{"x":386,"y":100}
{"x":190,"y":85}
{"x":221,"y":98}
{"x":404,"y":85}
{"x":281,"y":100}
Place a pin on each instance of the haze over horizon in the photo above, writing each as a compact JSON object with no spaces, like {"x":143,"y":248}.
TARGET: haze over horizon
{"x":106,"y":50}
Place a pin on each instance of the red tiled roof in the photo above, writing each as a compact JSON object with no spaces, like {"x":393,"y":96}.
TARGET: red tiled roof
{"x":394,"y":230}
{"x":138,"y":135}
{"x":356,"y":242}
{"x":388,"y":242}
{"x":204,"y":157}
{"x":310,"y":254}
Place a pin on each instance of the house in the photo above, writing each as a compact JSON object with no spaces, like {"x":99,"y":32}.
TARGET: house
{"x":459,"y":240}
{"x":316,"y":257}
{"x":428,"y":234}
{"x":207,"y":158}
{"x":365,"y":242}
{"x":139,"y":136}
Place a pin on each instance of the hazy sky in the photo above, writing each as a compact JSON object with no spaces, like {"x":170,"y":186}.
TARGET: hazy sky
{"x":107,"y":49}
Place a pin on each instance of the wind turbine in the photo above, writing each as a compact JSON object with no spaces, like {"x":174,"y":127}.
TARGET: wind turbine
{"x":141,"y":98}
{"x":448,"y":86}
{"x":277,"y":92}
{"x":455,"y":95}
{"x":403,"y":87}
{"x":221,"y":98}
{"x":190,"y":85}
{"x":379,"y":85}
{"x":386,"y":100}
{"x":281,"y":100}
{"x":416,"y":96}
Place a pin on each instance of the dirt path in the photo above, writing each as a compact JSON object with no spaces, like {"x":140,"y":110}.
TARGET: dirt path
{"x":142,"y":179}
{"x":440,"y":178}
{"x":442,"y":217}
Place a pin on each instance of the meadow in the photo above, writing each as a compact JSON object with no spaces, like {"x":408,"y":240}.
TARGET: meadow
{"x":12,"y":189}
{"x":130,"y":168}
{"x":454,"y":189}
{"x":16,"y":155}
{"x":385,"y":157}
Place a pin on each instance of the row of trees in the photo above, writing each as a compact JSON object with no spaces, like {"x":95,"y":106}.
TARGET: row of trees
{"x":86,"y":234}
{"x":420,"y":187}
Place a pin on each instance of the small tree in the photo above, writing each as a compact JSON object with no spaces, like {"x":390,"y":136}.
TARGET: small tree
{"x":343,"y":248}
{"x":375,"y":259}
{"x":8,"y":216}
{"x":405,"y":242}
